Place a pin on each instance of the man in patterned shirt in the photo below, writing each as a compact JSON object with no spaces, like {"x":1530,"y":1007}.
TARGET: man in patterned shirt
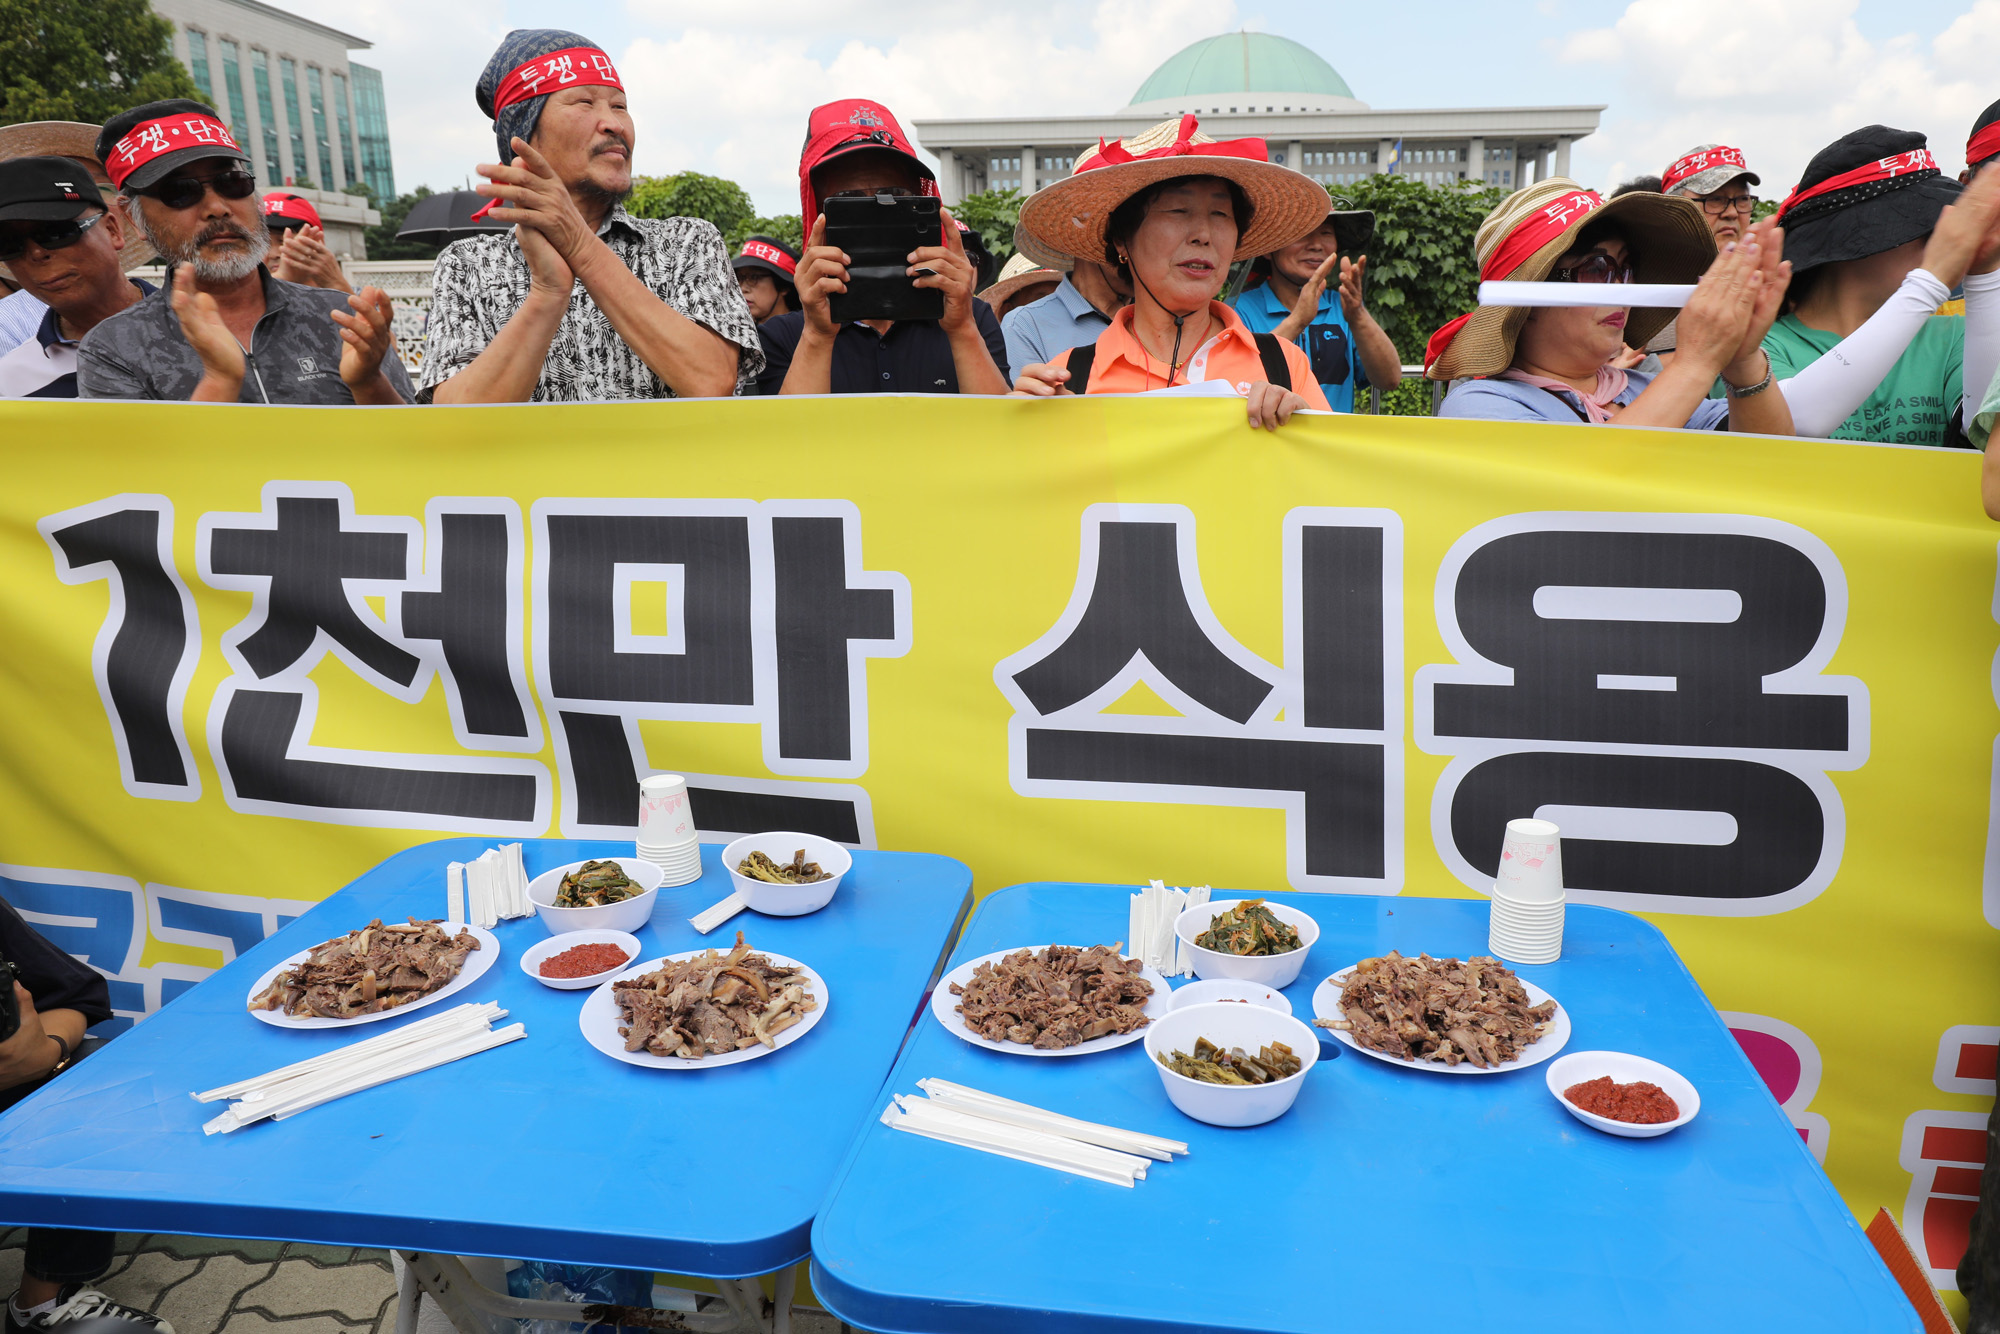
{"x":582,"y":300}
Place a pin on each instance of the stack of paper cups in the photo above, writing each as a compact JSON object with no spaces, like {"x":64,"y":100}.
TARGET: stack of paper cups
{"x":667,"y":836}
{"x":1528,"y":894}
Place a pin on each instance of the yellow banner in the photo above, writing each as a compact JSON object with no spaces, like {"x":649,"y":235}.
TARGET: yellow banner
{"x":252,"y":652}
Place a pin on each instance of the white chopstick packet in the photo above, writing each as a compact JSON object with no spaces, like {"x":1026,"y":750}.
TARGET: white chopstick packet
{"x":973,"y":1119}
{"x":454,"y":895}
{"x":440,"y":1039}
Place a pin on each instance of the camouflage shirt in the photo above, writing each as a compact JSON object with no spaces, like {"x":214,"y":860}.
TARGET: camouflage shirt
{"x":294,"y":353}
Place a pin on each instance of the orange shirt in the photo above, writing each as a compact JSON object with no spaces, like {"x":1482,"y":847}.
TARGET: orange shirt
{"x":1123,"y":366}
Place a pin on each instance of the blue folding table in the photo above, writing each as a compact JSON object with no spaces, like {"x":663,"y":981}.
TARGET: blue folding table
{"x":1386,"y":1198}
{"x":542,"y":1149}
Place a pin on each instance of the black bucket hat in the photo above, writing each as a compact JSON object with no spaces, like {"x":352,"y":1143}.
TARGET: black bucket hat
{"x":1897,"y":197}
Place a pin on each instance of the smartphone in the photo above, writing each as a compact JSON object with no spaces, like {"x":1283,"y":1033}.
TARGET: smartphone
{"x":878,"y":234}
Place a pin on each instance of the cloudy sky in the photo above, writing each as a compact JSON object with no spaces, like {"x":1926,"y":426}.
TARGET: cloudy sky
{"x":725,"y":88}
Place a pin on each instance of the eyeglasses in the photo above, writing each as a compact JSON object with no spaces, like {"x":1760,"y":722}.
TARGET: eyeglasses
{"x":1717,"y":205}
{"x":893,"y":191}
{"x":55,"y":236}
{"x":178,"y":192}
{"x":1598,"y":268}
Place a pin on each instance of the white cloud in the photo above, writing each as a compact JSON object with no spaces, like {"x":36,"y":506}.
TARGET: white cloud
{"x":731,"y":98}
{"x":430,"y":53}
{"x":1779,"y":79}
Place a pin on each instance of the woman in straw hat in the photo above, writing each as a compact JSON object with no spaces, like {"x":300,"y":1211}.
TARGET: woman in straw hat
{"x":1172,"y":209}
{"x":1554,"y":363}
{"x":1021,"y":281}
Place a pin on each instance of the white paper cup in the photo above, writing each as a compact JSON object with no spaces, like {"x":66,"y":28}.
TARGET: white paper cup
{"x":1530,"y":862}
{"x":665,"y":818}
{"x":1516,"y":949}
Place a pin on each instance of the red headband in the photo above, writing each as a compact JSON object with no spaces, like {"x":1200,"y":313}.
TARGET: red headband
{"x":1529,"y":235}
{"x":571,"y":67}
{"x":1903,"y":164}
{"x":1985,"y":142}
{"x":156,"y":138}
{"x":1696,"y":163}
{"x":771,"y":255}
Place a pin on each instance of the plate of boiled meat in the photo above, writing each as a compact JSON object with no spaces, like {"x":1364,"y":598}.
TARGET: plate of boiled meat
{"x":376,"y":972}
{"x":1050,"y":1000}
{"x":703,"y":1008}
{"x":1454,"y":1016}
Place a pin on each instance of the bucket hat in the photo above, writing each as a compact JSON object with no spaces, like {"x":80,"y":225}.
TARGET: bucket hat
{"x":1071,"y":215}
{"x":1866,"y":192}
{"x":767,"y":254}
{"x":1521,"y":241}
{"x":1704,"y":169}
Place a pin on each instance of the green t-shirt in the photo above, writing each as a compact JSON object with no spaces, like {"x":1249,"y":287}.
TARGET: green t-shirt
{"x":1917,"y":399}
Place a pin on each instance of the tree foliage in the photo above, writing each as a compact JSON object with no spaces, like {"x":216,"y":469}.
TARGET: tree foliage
{"x":993,"y":214}
{"x":689,"y":194}
{"x":784,"y":227}
{"x":1421,"y":268}
{"x":85,"y":60}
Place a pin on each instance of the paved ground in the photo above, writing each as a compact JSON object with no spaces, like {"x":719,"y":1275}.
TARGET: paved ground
{"x":204,"y":1285}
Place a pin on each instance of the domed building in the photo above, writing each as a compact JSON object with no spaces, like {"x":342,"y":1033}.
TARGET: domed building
{"x":1256,"y":83}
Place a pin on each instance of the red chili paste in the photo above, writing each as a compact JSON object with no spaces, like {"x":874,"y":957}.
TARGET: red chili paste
{"x":1637,"y":1103}
{"x":584,"y":961}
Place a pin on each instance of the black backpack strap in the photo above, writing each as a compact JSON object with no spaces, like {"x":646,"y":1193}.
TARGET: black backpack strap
{"x":1081,"y":359}
{"x":1276,"y":369}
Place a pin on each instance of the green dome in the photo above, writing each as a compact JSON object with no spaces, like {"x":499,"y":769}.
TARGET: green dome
{"x":1242,"y":62}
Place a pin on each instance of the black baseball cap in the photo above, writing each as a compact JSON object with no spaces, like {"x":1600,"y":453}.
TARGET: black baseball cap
{"x":182,"y":121}
{"x":45,"y":189}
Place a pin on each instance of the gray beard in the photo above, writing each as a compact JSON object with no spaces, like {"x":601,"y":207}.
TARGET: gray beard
{"x":233,"y":269}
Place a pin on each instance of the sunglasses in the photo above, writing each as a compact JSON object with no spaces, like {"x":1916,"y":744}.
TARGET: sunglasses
{"x":1717,"y":205}
{"x":55,"y":236}
{"x":178,"y":192}
{"x":1598,"y":268}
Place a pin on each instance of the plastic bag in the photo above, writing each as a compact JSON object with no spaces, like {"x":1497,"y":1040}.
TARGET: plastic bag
{"x":541,"y":1281}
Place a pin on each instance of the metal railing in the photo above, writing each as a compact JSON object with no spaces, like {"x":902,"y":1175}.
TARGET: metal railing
{"x":407,"y":284}
{"x":1369,"y":400}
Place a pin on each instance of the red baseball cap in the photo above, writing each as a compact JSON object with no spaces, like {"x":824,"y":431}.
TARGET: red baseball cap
{"x":290,"y":211}
{"x":853,"y":126}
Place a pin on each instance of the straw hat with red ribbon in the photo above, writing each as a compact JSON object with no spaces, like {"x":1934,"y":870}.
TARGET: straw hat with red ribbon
{"x":1020,"y":271}
{"x":1071,"y":215}
{"x":1521,"y":241}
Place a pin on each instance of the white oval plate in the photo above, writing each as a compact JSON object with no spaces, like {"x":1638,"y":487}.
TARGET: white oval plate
{"x":533,"y":957}
{"x":599,"y":1019}
{"x":1326,"y":1005}
{"x":475,"y":966}
{"x":944,"y":1006}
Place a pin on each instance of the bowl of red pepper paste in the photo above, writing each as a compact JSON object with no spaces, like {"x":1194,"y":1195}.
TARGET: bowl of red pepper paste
{"x":578,"y":959}
{"x":1622,"y":1094}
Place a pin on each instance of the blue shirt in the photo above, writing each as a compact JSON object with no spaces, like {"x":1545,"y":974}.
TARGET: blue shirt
{"x":1514,"y":401}
{"x":1327,"y":342}
{"x":1046,"y":328}
{"x":19,"y":315}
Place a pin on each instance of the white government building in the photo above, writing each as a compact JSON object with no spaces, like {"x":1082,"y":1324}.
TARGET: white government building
{"x":1253,"y":83}
{"x":301,"y":109}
